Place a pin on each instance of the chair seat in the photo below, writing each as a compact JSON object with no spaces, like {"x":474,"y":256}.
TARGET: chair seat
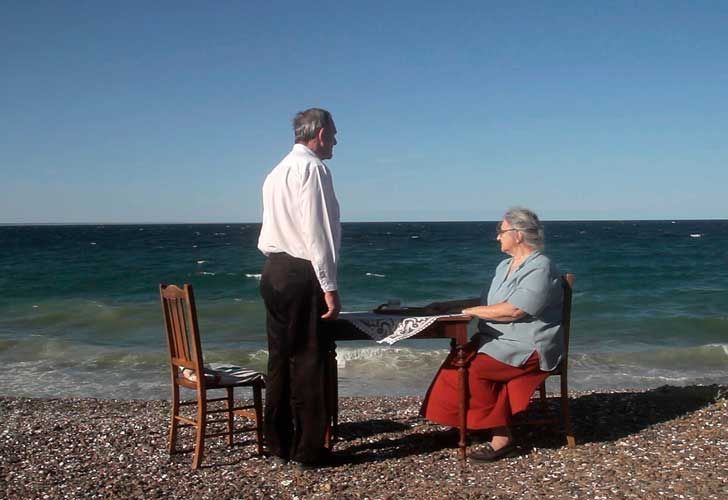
{"x":223,"y":375}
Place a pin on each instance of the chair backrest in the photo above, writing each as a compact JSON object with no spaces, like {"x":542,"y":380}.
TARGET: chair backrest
{"x":183,"y":334}
{"x":567,"y":281}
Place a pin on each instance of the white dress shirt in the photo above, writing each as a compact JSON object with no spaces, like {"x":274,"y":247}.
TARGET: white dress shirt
{"x":301,"y":214}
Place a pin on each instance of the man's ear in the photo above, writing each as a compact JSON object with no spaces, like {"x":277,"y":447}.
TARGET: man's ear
{"x":320,"y":135}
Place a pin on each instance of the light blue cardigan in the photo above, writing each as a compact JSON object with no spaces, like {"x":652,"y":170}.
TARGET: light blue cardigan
{"x":535,"y":287}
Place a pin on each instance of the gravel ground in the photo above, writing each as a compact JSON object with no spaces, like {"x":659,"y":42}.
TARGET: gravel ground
{"x":670,"y":442}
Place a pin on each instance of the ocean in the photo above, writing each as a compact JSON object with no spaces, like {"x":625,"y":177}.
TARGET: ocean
{"x":80,"y":313}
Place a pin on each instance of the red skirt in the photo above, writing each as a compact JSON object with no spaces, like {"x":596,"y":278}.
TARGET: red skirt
{"x":496,"y":391}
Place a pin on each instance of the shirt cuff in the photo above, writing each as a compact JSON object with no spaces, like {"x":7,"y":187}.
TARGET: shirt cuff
{"x":327,"y":284}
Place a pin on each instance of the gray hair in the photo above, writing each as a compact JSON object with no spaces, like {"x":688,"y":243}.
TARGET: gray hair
{"x":306,"y":124}
{"x":528,"y":224}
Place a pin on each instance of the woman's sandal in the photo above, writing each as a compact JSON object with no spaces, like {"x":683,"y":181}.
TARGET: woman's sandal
{"x":487,"y":454}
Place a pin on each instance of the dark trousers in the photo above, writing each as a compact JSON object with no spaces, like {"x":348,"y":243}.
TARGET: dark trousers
{"x":295,"y":418}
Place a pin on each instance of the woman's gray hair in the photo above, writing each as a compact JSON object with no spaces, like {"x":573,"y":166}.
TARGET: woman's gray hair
{"x":306,"y":124}
{"x":528,"y":224}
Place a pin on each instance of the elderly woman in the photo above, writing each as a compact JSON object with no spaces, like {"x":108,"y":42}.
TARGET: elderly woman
{"x":518,"y":341}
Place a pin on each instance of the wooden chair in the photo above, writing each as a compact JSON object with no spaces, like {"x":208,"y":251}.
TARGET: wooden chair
{"x":185,"y":358}
{"x":561,"y":371}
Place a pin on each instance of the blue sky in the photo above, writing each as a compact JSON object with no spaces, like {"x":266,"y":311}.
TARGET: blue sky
{"x":176,"y":111}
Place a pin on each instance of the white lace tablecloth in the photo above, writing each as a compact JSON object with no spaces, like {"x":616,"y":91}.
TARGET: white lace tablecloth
{"x":389,"y":329}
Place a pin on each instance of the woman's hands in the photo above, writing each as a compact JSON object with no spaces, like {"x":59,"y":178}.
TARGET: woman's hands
{"x":469,"y":311}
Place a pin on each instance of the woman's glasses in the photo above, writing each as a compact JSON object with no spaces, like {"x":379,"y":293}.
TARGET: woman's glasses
{"x":499,"y":231}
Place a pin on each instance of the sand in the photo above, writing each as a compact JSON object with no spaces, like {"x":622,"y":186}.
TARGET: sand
{"x":670,"y":442}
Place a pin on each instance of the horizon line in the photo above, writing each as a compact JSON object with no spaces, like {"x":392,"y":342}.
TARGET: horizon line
{"x":167,"y":223}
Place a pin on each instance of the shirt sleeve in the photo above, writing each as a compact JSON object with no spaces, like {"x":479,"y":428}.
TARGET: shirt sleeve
{"x":319,"y":214}
{"x":532,"y":291}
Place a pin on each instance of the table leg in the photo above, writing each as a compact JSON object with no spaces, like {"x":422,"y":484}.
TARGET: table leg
{"x":332,"y":397}
{"x":335,"y":393}
{"x":463,"y":404}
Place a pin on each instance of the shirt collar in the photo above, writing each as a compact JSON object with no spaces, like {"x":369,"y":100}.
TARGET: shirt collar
{"x":533,"y":255}
{"x":507,"y":277}
{"x":303,"y":149}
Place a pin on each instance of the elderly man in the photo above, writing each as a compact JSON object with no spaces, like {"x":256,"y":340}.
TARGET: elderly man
{"x":300,"y":236}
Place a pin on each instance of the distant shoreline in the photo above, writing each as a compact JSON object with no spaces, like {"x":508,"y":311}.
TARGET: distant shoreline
{"x":72,"y":224}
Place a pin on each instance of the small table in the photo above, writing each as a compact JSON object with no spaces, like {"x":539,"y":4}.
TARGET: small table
{"x":454,"y":327}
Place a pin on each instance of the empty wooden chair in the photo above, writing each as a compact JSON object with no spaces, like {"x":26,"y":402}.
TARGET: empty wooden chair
{"x":561,"y":371}
{"x":186,"y":363}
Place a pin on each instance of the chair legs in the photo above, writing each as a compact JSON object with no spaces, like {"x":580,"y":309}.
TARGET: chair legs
{"x":570,"y":439}
{"x":200,"y":422}
{"x":542,"y":396}
{"x":565,"y":415}
{"x":200,"y":427}
{"x":173,"y":424}
{"x":230,"y":405}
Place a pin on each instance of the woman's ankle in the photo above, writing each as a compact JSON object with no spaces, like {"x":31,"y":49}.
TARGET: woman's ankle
{"x":501,"y":437}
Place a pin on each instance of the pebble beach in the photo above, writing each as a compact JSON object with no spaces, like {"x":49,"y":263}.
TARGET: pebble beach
{"x":669,"y":442}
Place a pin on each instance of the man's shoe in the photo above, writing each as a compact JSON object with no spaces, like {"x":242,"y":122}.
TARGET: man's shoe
{"x":303,"y":466}
{"x":326,"y":459}
{"x":278,"y":460}
{"x":487,"y":454}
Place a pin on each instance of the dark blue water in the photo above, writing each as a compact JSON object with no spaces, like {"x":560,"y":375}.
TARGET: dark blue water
{"x":79,"y":311}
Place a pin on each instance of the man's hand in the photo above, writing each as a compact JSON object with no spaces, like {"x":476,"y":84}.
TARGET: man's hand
{"x":333,"y":303}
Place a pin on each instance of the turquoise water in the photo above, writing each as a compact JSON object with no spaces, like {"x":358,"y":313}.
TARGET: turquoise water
{"x":79,"y":312}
